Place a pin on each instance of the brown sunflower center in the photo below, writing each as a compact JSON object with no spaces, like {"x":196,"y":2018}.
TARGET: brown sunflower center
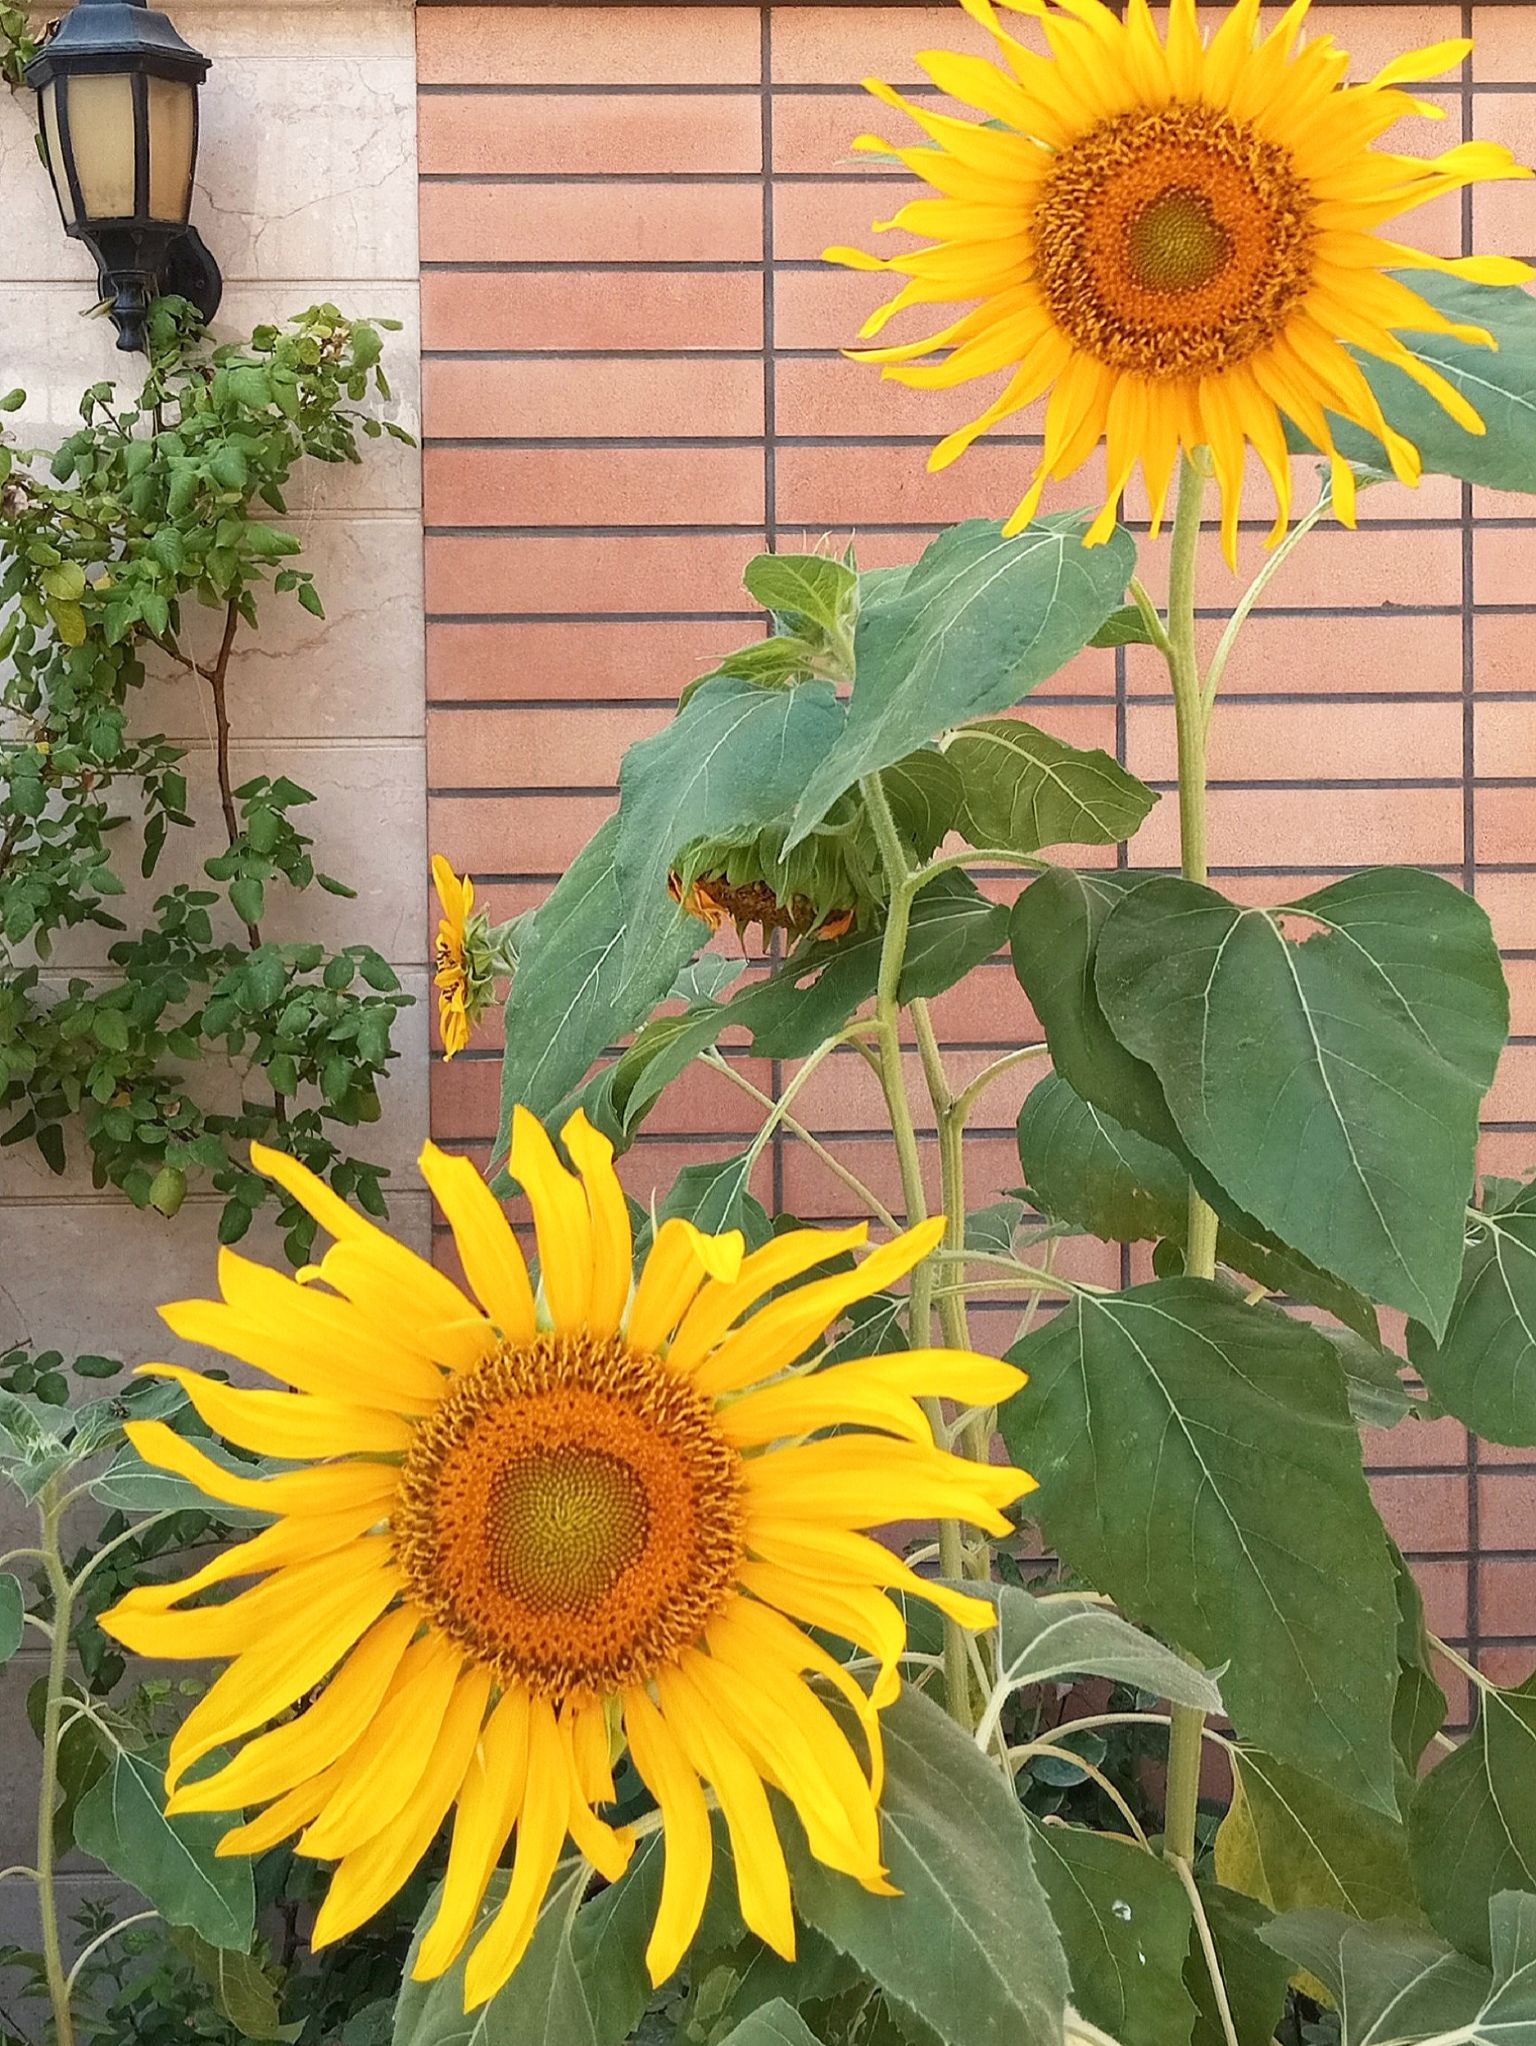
{"x":571,"y":1514}
{"x":1173,"y":241}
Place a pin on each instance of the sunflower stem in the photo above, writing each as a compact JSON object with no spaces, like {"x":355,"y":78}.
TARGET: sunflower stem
{"x":48,"y":1790}
{"x":893,"y":1085}
{"x":1185,"y":1746}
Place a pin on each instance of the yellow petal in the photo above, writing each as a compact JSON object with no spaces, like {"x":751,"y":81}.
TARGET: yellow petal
{"x":279,"y":1821}
{"x":294,"y":1655}
{"x":762,"y":1878}
{"x":327,"y":1488}
{"x":689,"y":1848}
{"x":864,"y":1481}
{"x":307,"y":1339}
{"x":287,"y":1424}
{"x":723,"y":1301}
{"x":492,"y":1799}
{"x":607,"y":1849}
{"x":867,"y":1619}
{"x":229,"y":1629}
{"x":561,"y":1220}
{"x":290,"y":1755}
{"x":396,"y":1294}
{"x":783,"y":1330}
{"x":797,"y":1751}
{"x":383,"y":1771}
{"x":294,"y":1540}
{"x":842,"y":1556}
{"x":608,"y":1216}
{"x":540,"y":1836}
{"x":677,"y":1264}
{"x":488,"y":1250}
{"x":370,"y":1876}
{"x":872,"y":1392}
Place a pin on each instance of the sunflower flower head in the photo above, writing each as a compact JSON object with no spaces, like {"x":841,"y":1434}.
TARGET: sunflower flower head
{"x":1175,"y":242}
{"x":811,"y":891}
{"x":522,"y":1529}
{"x":465,"y":978}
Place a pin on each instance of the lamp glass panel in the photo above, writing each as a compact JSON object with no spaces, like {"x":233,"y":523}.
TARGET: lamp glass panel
{"x":53,"y":143}
{"x":101,"y":135}
{"x":172,"y":147}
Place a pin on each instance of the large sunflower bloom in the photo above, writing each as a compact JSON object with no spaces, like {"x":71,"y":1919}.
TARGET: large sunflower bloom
{"x":1174,"y":239}
{"x":526,"y":1529}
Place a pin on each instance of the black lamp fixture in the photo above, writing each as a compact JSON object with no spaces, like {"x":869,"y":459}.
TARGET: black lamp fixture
{"x":117,"y":108}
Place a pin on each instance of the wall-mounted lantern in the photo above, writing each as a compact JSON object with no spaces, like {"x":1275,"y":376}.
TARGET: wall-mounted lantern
{"x":117,"y":107}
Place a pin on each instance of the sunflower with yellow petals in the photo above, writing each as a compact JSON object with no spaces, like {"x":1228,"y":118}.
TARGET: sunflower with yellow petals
{"x":1177,"y":240}
{"x":469,"y":956}
{"x":527,"y":1528}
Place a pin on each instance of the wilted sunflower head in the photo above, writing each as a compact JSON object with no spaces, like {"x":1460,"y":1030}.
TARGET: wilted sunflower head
{"x":1176,"y":240}
{"x":813,"y":890}
{"x":522,"y":1530}
{"x":465,"y":977}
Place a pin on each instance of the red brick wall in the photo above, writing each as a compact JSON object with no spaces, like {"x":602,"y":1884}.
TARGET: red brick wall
{"x":632,"y":383}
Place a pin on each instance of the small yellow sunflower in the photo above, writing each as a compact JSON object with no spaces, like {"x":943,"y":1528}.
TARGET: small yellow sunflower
{"x":452,"y":979}
{"x":525,"y":1530}
{"x":1174,"y":239}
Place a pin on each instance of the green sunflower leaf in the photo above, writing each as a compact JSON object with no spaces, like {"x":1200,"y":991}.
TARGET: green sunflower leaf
{"x":1197,"y":1461}
{"x":1348,"y":1125}
{"x":1500,"y":387}
{"x":1125,"y":1923}
{"x":968,"y":1945}
{"x":1393,"y":1986}
{"x":974,"y":625}
{"x":1483,"y":1369}
{"x":1472,"y":1825}
{"x":1292,"y":1842}
{"x":582,"y":1981}
{"x":1081,"y":1167}
{"x":121,"y":1821}
{"x":1024,"y":789}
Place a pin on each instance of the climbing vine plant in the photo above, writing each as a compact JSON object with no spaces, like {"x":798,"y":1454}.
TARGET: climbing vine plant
{"x":150,"y":543}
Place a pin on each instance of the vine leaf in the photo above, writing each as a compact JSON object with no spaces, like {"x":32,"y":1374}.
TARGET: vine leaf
{"x":121,"y":1821}
{"x":1348,"y":1124}
{"x":1483,"y":1368}
{"x":1197,"y":1461}
{"x":1125,"y":1921}
{"x":582,"y":1981}
{"x":968,"y":1945}
{"x":967,"y":631}
{"x":1393,"y":1986}
{"x":1472,"y":1824}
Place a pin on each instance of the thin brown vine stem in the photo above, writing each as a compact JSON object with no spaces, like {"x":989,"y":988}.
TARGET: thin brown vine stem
{"x":217,"y":679}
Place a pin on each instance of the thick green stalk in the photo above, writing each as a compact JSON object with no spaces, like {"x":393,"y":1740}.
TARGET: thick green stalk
{"x":1185,"y":1742}
{"x":48,"y":1792}
{"x":893,"y":1085}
